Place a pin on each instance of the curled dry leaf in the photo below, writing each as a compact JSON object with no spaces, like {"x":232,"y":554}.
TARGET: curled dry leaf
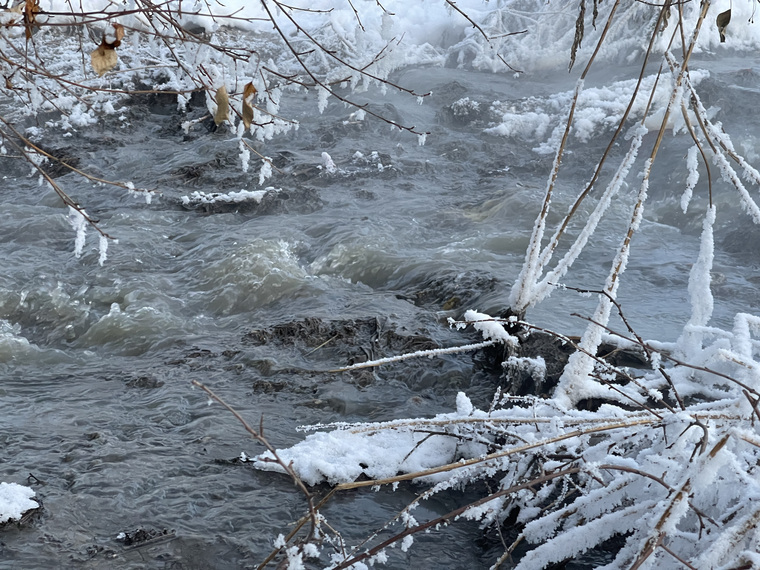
{"x":104,"y":57}
{"x":118,"y":35}
{"x":25,"y":12}
{"x":222,"y":106}
{"x":31,"y":9}
{"x":722,"y":22}
{"x":248,"y":92}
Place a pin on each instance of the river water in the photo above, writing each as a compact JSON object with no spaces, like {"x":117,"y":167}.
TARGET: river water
{"x":259,"y":301}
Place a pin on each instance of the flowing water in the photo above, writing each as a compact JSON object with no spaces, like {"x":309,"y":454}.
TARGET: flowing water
{"x":258,"y":301}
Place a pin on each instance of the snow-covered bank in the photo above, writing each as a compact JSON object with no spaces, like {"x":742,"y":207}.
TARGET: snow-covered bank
{"x":425,"y":31}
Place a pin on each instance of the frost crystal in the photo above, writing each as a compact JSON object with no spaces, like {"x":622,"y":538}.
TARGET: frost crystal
{"x":322,"y":96}
{"x":103,"y":249}
{"x":79,"y":223}
{"x":266,"y":170}
{"x":245,"y":156}
{"x":407,"y":542}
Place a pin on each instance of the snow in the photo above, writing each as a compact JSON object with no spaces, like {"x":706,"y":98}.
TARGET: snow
{"x":15,"y":500}
{"x":228,"y":197}
{"x":490,"y":328}
{"x":328,"y":163}
{"x":342,"y":456}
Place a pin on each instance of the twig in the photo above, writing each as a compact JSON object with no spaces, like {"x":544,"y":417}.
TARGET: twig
{"x":287,"y":467}
{"x":417,"y":354}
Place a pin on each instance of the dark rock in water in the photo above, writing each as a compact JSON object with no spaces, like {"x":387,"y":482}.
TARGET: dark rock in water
{"x":535,"y":366}
{"x":297,"y":200}
{"x":164,"y":103}
{"x":347,"y":341}
{"x":205,"y":173}
{"x":453,"y":290}
{"x":744,"y":239}
{"x":170,"y":549}
{"x":145,"y":381}
{"x":463,"y":112}
{"x":142,"y":536}
{"x":57,"y":168}
{"x":324,"y":345}
{"x":450,"y":92}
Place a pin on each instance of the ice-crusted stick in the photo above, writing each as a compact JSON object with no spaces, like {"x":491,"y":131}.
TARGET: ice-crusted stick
{"x":417,"y":354}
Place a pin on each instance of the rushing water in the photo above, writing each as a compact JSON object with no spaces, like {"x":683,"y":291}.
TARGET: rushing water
{"x":96,"y":362}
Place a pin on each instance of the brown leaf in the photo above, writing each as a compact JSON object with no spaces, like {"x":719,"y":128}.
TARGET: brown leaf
{"x":222,"y":106}
{"x":722,"y":22}
{"x":118,"y":32}
{"x":248,"y":92}
{"x":103,"y":59}
{"x":31,"y":9}
{"x":578,"y":33}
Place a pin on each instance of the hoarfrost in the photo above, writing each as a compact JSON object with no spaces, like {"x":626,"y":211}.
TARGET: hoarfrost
{"x":406,"y":542}
{"x":692,"y":166}
{"x":102,"y":249}
{"x":79,"y":223}
{"x":265,"y":171}
{"x":245,"y":156}
{"x":322,"y":96}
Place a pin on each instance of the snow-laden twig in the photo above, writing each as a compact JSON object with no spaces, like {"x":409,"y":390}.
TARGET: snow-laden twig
{"x":418,"y":354}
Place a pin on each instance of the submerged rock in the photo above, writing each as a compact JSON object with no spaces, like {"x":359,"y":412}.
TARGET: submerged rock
{"x":453,"y":290}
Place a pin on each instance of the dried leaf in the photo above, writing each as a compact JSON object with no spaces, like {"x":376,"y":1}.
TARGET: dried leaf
{"x":222,"y":106}
{"x":31,"y":9}
{"x":722,"y":22}
{"x":664,"y":21}
{"x":248,"y":92}
{"x":118,"y":33}
{"x":103,"y":59}
{"x":578,"y":33}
